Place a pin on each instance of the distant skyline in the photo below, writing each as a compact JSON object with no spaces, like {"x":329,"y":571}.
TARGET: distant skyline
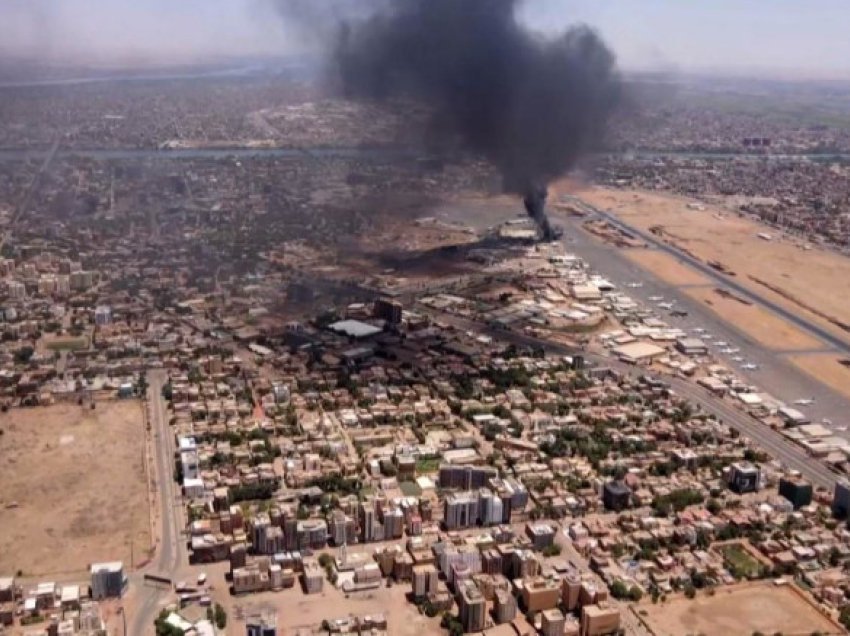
{"x":776,"y":37}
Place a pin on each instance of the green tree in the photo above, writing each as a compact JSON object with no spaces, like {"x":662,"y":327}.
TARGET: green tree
{"x":619,"y":590}
{"x":220,"y":616}
{"x":23,"y":355}
{"x":163,"y":628}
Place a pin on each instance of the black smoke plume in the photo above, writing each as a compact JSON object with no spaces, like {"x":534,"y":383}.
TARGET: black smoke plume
{"x":531,"y":105}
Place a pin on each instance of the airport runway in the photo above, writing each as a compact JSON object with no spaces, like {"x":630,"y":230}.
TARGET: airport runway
{"x":776,"y":375}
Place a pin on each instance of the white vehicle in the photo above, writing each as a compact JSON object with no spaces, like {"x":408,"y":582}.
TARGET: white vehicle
{"x":655,"y":299}
{"x":826,"y":421}
{"x":698,"y":330}
{"x":721,"y":343}
{"x":634,"y":285}
{"x":728,"y":350}
{"x":805,"y":401}
{"x":750,"y":366}
{"x":737,"y":359}
{"x":665,"y":305}
{"x":734,"y":350}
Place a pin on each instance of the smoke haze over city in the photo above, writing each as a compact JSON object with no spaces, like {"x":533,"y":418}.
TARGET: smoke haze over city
{"x":778,"y":37}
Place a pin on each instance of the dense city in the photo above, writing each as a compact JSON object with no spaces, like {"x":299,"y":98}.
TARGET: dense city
{"x":276,"y":360}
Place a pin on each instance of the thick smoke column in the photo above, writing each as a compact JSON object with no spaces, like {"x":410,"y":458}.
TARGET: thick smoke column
{"x":531,"y":105}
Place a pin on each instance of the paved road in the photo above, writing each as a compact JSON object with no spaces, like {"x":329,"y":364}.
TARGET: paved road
{"x":789,"y":454}
{"x":628,"y":621}
{"x":170,"y":547}
{"x":726,"y":281}
{"x":777,"y":375}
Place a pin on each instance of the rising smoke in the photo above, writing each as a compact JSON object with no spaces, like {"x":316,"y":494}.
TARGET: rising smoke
{"x":531,"y":105}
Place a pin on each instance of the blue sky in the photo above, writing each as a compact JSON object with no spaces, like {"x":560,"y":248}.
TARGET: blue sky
{"x":802,"y":37}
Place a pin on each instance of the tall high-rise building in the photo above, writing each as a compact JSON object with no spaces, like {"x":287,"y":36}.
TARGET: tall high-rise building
{"x":368,"y":521}
{"x":504,"y":606}
{"x":473,"y":607}
{"x":461,"y":510}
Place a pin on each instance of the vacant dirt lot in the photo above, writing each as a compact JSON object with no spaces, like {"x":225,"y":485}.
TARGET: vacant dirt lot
{"x":817,"y":278}
{"x":78,"y":479}
{"x":761,"y":325}
{"x":826,"y":368}
{"x":296,"y":610}
{"x":739,"y":611}
{"x":667,"y":268}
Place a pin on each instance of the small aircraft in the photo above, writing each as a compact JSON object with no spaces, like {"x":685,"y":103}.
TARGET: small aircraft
{"x":805,"y":401}
{"x":665,"y":305}
{"x":750,"y":366}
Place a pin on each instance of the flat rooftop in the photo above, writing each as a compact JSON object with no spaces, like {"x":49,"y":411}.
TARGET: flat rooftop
{"x":355,"y":328}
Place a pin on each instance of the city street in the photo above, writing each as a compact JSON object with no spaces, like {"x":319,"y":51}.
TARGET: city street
{"x":170,"y":546}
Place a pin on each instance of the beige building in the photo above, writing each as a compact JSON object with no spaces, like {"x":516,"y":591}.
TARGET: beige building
{"x":553,"y":622}
{"x":599,"y":620}
{"x":540,"y":593}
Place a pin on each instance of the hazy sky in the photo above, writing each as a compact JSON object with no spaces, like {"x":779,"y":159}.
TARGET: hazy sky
{"x":803,"y":36}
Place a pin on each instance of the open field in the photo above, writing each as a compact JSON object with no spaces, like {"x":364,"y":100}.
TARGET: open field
{"x":666,"y":267}
{"x":78,"y":478}
{"x":296,"y":610}
{"x":826,"y":368}
{"x":815,"y":282}
{"x":760,"y":324}
{"x":739,"y":610}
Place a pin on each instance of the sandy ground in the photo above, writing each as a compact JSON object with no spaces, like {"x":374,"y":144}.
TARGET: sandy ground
{"x":760,"y":324}
{"x":667,"y":268}
{"x":818,"y":278}
{"x":296,"y":610}
{"x":825,"y":368}
{"x":739,"y":611}
{"x":78,"y":479}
